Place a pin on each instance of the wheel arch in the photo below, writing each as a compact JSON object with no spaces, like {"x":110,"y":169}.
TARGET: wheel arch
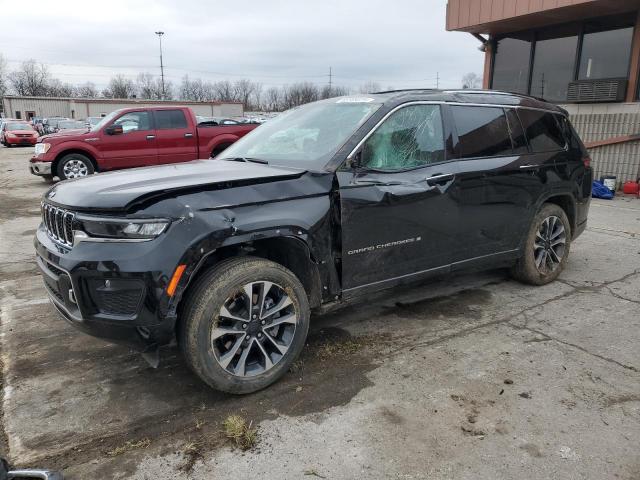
{"x":290,"y":252}
{"x":64,"y":153}
{"x":568,"y":204}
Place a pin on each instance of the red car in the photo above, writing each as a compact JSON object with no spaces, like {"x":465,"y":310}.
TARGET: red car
{"x":132,"y":137}
{"x":17,"y":133}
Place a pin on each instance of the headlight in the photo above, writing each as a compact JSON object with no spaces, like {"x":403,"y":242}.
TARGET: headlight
{"x":122,"y":229}
{"x":41,"y":148}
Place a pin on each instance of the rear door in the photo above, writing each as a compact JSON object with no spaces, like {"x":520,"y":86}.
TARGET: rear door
{"x":134,"y":147}
{"x":500,"y":180}
{"x":399,"y":212}
{"x":176,"y":137}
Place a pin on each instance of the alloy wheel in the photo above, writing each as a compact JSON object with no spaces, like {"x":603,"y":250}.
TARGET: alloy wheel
{"x":549,"y":245}
{"x":254,"y":329}
{"x":75,"y":169}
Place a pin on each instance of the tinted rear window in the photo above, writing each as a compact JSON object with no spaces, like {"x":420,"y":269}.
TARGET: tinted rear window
{"x":482,"y":131}
{"x":542,"y":130}
{"x":517,"y":134}
{"x":166,"y":119}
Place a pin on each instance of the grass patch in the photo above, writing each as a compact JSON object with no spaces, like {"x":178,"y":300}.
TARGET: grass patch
{"x":241,"y":433}
{"x":144,"y":443}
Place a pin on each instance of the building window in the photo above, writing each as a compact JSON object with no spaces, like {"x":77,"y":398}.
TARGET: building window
{"x":553,"y":65}
{"x":605,"y":54}
{"x":603,"y":45}
{"x":511,"y":64}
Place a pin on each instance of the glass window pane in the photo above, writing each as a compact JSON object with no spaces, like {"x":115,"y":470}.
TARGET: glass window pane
{"x":133,"y":121}
{"x":511,"y":65}
{"x":606,"y":54}
{"x":542,"y":130}
{"x":482,"y":132}
{"x":517,"y":134}
{"x":553,"y":63}
{"x":409,"y":138}
{"x":167,"y":119}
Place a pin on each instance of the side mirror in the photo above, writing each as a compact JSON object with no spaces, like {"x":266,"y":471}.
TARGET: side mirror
{"x":356,"y":161}
{"x":114,"y":130}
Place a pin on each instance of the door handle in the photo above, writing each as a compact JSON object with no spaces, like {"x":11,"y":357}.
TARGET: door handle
{"x":529,"y":167}
{"x":440,"y":179}
{"x":150,"y":137}
{"x":188,"y":135}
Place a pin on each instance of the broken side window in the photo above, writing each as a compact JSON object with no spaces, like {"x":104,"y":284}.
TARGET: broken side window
{"x":409,"y":138}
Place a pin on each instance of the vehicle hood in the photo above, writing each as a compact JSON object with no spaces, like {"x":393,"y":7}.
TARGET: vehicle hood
{"x":21,"y":132}
{"x":64,"y":134}
{"x":119,"y":190}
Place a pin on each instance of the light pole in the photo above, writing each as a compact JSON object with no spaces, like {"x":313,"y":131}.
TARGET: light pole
{"x":160,"y":34}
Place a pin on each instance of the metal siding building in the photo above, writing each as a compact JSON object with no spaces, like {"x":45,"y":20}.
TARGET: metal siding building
{"x":581,"y":54}
{"x":43,"y":107}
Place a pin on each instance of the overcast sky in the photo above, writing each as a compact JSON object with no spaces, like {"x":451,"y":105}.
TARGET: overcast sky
{"x":401,"y":43}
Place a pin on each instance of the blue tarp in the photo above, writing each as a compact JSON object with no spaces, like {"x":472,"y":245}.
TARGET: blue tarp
{"x":598,"y":190}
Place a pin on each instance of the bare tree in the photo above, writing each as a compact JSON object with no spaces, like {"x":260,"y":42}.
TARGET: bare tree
{"x":56,"y":88}
{"x":30,"y":79}
{"x":196,"y":90}
{"x":223,"y":91}
{"x":150,"y":87}
{"x":334,"y":91}
{"x":3,"y":76}
{"x":273,"y":100}
{"x":471,"y":80}
{"x":370,"y":87}
{"x":86,"y":90}
{"x":120,"y":87}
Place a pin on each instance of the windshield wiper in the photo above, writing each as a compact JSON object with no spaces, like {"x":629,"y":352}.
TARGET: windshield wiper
{"x":246,"y":159}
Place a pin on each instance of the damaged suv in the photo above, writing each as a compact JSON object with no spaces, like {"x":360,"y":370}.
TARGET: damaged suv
{"x":323,"y":204}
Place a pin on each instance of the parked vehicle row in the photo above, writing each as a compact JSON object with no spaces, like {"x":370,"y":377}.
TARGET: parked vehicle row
{"x":133,"y":137}
{"x":322,"y":205}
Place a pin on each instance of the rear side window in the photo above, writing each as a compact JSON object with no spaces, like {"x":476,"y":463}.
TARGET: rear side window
{"x":517,"y":133}
{"x":542,"y":130}
{"x":166,"y":119}
{"x":482,"y":132}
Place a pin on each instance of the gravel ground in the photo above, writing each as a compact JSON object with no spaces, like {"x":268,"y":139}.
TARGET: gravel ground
{"x":473,"y":376}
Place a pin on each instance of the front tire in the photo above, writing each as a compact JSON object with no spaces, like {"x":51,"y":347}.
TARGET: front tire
{"x":546,"y":248}
{"x":244,"y":323}
{"x":74,"y":165}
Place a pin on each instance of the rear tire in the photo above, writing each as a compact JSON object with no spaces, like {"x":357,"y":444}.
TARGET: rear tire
{"x":546,"y":247}
{"x":74,"y":165}
{"x":243,"y":324}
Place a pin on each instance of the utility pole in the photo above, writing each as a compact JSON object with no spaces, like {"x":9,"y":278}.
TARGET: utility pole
{"x":160,"y":34}
{"x":330,"y":80}
{"x":437,"y":80}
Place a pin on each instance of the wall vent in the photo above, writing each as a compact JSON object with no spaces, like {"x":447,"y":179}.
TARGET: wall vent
{"x":592,"y":91}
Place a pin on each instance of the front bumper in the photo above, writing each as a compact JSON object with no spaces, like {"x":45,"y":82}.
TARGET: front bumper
{"x":40,"y":168}
{"x":110,"y":291}
{"x":21,"y":140}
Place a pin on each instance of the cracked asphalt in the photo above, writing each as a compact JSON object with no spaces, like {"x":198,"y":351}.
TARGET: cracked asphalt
{"x":467,"y":377}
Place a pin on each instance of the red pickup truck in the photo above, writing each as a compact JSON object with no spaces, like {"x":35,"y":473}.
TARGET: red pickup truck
{"x":133,"y":137}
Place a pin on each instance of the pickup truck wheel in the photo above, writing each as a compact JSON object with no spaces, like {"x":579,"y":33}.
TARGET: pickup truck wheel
{"x":547,"y":247}
{"x":74,"y":165}
{"x":245,"y":322}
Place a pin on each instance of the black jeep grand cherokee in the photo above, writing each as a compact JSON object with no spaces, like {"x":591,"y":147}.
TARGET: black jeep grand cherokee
{"x":325,"y":203}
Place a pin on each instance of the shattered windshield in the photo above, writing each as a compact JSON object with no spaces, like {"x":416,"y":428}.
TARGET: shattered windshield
{"x":306,"y":136}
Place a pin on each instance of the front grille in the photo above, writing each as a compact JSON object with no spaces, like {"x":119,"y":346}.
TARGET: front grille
{"x":54,"y":292}
{"x":58,"y":223}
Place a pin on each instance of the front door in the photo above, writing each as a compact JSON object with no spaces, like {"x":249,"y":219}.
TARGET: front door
{"x":398,"y":211}
{"x":134,"y":147}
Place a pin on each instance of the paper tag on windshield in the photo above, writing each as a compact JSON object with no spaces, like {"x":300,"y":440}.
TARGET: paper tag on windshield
{"x":355,"y":100}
